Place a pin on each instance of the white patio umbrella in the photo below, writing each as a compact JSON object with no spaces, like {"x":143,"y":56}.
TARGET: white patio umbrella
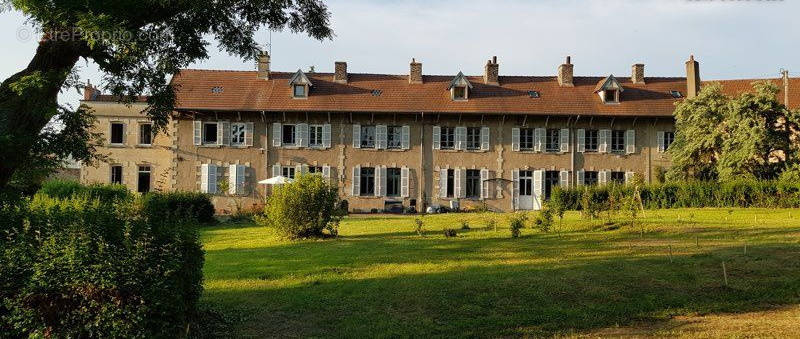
{"x":279,"y":180}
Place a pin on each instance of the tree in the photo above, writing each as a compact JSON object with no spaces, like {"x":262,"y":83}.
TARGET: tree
{"x":137,"y":44}
{"x":723,"y":138}
{"x":303,"y":208}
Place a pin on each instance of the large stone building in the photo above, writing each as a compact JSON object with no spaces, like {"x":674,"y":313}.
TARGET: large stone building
{"x":418,"y":140}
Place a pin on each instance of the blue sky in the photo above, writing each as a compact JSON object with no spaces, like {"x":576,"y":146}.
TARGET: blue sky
{"x":731,"y":39}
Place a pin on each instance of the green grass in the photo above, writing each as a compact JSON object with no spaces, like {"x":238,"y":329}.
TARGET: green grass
{"x":381,"y":279}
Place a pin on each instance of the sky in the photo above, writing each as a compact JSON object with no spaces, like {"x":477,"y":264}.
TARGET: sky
{"x":731,"y":39}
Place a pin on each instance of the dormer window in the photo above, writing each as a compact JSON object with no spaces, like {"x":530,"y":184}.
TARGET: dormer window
{"x":609,"y":90}
{"x":459,"y":87}
{"x":300,"y":85}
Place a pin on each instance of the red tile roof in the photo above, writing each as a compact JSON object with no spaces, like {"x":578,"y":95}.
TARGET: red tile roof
{"x":736,"y":87}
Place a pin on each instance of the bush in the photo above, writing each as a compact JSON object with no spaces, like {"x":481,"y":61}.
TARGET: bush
{"x":419,"y":226}
{"x":450,"y":233}
{"x":464,"y":225}
{"x":303,"y":208}
{"x":80,"y":267}
{"x":544,"y":220}
{"x":104,"y":193}
{"x":178,"y":207}
{"x":517,"y":223}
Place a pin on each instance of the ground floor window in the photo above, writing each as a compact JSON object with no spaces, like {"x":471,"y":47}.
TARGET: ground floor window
{"x":288,"y":172}
{"x":392,"y":182}
{"x":473,"y":189}
{"x":315,"y":169}
{"x":116,"y":174}
{"x":144,"y":179}
{"x":590,"y":178}
{"x":618,"y":177}
{"x":367,"y":184}
{"x":551,"y":179}
{"x":451,"y":179}
{"x":526,"y":183}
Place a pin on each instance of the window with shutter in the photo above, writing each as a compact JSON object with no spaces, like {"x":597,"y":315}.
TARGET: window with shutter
{"x":238,"y":134}
{"x":210,"y":133}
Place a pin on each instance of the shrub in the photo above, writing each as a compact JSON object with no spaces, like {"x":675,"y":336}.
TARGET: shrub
{"x":303,"y":208}
{"x":178,"y":207}
{"x":491,"y":224}
{"x":419,"y":226}
{"x":78,"y":267}
{"x":517,"y":223}
{"x":464,"y":225}
{"x":450,"y":233}
{"x":544,"y":220}
{"x":104,"y":193}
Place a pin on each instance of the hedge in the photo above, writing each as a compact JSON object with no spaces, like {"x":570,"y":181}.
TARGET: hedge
{"x":740,"y":193}
{"x":104,"y":193}
{"x":87,"y":268}
{"x":166,"y":207}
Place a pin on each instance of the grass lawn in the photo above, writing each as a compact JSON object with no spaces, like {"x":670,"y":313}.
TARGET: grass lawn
{"x":585,"y":278}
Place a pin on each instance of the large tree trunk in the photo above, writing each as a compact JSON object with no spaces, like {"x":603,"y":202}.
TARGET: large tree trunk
{"x":29,"y":99}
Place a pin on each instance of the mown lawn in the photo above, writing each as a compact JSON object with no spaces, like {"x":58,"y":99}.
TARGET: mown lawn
{"x":584,"y":278}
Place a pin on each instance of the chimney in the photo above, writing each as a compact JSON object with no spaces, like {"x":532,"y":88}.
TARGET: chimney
{"x":415,"y":73}
{"x":565,"y":74}
{"x":340,"y":72}
{"x":692,"y":77}
{"x":90,"y":92}
{"x":491,"y":72}
{"x":637,"y":73}
{"x":263,"y":65}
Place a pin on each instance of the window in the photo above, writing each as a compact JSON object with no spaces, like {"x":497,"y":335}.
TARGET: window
{"x":460,"y":93}
{"x":210,"y":133}
{"x":551,"y":179}
{"x":145,"y":134}
{"x":611,"y":95}
{"x":590,"y":140}
{"x":447,"y":140}
{"x":552,"y":140}
{"x":526,"y":184}
{"x":288,"y":135}
{"x":526,"y":139}
{"x":473,"y":138}
{"x":299,"y":91}
{"x":392,"y":182}
{"x":367,"y":136}
{"x":143,"y":185}
{"x":473,"y":189}
{"x":116,"y":174}
{"x":315,"y":169}
{"x":676,"y":94}
{"x":237,"y":134}
{"x":288,"y":172}
{"x":618,"y":177}
{"x":394,"y":136}
{"x":590,"y":178}
{"x":669,"y":137}
{"x":315,"y":135}
{"x":367,"y":181}
{"x":117,"y":129}
{"x":451,"y":179}
{"x":618,"y":141}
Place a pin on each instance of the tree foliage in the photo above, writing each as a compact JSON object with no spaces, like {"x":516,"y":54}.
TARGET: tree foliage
{"x":723,"y":138}
{"x":303,"y":208}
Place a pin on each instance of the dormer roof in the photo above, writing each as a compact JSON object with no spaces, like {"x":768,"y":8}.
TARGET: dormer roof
{"x":609,"y":82}
{"x":460,"y":80}
{"x":299,"y":78}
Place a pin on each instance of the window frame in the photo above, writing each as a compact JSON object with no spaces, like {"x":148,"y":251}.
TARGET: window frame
{"x":613,"y":98}
{"x":550,"y":179}
{"x":289,"y":172}
{"x":590,"y":178}
{"x":205,"y":133}
{"x":527,"y":133}
{"x":149,"y":134}
{"x":459,"y":92}
{"x":451,"y":182}
{"x":121,"y":133}
{"x":616,"y":136}
{"x":303,"y":94}
{"x":284,"y":135}
{"x":315,"y":170}
{"x":472,"y":182}
{"x":112,"y":174}
{"x":140,"y":170}
{"x":669,"y":138}
{"x":393,"y":181}
{"x":394,"y":137}
{"x":474,"y":139}
{"x":242,"y":131}
{"x":552,"y":140}
{"x":591,"y":140}
{"x":315,"y":135}
{"x":620,"y":177}
{"x":367,"y":182}
{"x":447,"y":137}
{"x":369,"y":136}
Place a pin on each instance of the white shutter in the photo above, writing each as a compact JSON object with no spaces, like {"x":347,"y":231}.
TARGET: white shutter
{"x":248,"y":134}
{"x":240,"y":178}
{"x":461,"y":138}
{"x":515,"y":139}
{"x":660,"y":141}
{"x":224,"y":133}
{"x":356,"y":136}
{"x":579,"y":177}
{"x":232,"y":179}
{"x":212,"y":179}
{"x":443,"y":183}
{"x":326,"y":136}
{"x":302,"y":135}
{"x":603,"y":135}
{"x":563,"y":179}
{"x":356,"y":184}
{"x":303,"y":169}
{"x":539,"y":134}
{"x":538,"y":189}
{"x":628,"y":177}
{"x":580,"y":136}
{"x":484,"y":183}
{"x":276,"y":170}
{"x":630,"y":141}
{"x":404,"y":182}
{"x":484,"y":138}
{"x":437,"y":137}
{"x":602,"y":177}
{"x":406,"y":137}
{"x":276,"y":134}
{"x":381,"y":138}
{"x":463,"y":182}
{"x":564,"y":136}
{"x":124,"y":134}
{"x":457,"y":182}
{"x":198,"y":132}
{"x":515,"y":189}
{"x":298,"y":171}
{"x":204,"y":178}
{"x":380,"y":181}
{"x":326,"y":172}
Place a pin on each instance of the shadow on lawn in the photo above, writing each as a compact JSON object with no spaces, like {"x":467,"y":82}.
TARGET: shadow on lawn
{"x":498,"y":299}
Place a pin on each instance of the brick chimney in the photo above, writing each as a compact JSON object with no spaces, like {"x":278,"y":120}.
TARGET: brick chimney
{"x":565,"y":74}
{"x":491,"y":72}
{"x":637,"y":73}
{"x":263,"y":65}
{"x":340,"y":72}
{"x":90,"y":92}
{"x":415,"y":72}
{"x":692,"y":77}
